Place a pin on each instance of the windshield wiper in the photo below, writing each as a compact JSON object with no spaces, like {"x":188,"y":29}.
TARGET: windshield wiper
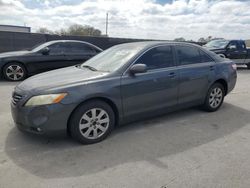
{"x":89,"y":67}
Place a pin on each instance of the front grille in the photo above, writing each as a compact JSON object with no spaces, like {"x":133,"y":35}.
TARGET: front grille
{"x":16,"y":98}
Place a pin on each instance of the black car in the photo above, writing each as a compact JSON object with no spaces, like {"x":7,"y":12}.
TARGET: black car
{"x":235,"y":50}
{"x":48,"y":56}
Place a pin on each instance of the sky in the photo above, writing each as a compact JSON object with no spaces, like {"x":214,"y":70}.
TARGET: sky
{"x":147,"y":19}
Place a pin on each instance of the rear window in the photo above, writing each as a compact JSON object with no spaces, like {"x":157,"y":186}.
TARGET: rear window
{"x":215,"y":56}
{"x":188,"y":55}
{"x":80,"y":48}
{"x":205,"y":58}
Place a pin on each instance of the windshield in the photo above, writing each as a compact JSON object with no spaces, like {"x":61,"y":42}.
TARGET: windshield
{"x":113,"y":58}
{"x":217,"y":44}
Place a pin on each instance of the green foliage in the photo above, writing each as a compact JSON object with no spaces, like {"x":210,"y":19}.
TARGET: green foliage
{"x":75,"y":29}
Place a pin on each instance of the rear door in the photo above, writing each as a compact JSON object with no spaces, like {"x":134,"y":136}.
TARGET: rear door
{"x":79,"y":52}
{"x":154,"y":90}
{"x":197,"y":71}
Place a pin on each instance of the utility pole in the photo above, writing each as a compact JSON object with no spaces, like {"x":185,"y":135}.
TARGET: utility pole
{"x":107,"y":22}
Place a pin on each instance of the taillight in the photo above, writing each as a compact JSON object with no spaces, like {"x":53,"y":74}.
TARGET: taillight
{"x":234,"y":66}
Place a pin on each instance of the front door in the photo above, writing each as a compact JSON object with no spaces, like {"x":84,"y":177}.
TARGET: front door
{"x":154,"y":90}
{"x":53,"y":60}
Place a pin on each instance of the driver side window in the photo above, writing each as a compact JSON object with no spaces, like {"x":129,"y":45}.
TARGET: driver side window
{"x":57,"y":48}
{"x":158,"y":57}
{"x":232,"y":45}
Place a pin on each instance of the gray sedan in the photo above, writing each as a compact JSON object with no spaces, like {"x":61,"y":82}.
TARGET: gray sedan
{"x":124,"y":83}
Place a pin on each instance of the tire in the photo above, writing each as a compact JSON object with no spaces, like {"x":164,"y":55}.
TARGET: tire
{"x":248,"y":66}
{"x":14,"y":72}
{"x":87,"y":128}
{"x":215,"y":97}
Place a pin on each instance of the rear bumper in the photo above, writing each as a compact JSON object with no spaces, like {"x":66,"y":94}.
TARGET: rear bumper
{"x":232,"y":82}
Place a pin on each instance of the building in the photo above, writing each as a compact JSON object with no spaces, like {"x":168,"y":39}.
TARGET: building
{"x":13,"y":28}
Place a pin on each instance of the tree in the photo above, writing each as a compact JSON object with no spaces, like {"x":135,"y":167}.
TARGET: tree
{"x":209,"y":38}
{"x":202,"y":40}
{"x":181,"y":39}
{"x":61,"y":32}
{"x":77,"y":29}
{"x":44,"y":30}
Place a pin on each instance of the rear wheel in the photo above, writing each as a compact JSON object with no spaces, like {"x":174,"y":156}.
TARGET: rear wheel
{"x":92,"y":122}
{"x":14,"y":72}
{"x":248,"y":66}
{"x":214,"y":98}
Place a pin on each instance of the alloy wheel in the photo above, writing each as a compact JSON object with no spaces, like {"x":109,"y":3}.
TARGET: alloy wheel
{"x":94,"y":123}
{"x":216,"y":97}
{"x":14,"y":72}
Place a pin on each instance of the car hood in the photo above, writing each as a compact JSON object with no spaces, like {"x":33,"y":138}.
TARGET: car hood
{"x":59,"y":78}
{"x":12,"y":54}
{"x":214,"y":49}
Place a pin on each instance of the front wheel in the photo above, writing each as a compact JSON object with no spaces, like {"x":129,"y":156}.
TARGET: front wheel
{"x":214,"y":98}
{"x":14,"y":72}
{"x":92,"y":122}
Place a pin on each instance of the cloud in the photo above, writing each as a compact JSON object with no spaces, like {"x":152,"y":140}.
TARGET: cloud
{"x":190,"y":19}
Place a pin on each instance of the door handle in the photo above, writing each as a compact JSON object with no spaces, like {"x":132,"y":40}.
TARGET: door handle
{"x":172,"y":75}
{"x":211,"y":68}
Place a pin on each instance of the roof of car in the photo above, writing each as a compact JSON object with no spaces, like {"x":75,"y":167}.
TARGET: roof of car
{"x":79,"y":41}
{"x":148,"y":44}
{"x":55,"y":41}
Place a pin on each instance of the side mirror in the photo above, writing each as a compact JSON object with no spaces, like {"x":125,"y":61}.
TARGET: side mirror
{"x":232,"y":47}
{"x":222,"y":55}
{"x":138,"y":68}
{"x":45,"y":51}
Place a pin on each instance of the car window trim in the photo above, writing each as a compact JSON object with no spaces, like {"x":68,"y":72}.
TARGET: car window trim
{"x":160,"y":45}
{"x":197,"y":64}
{"x":173,"y":68}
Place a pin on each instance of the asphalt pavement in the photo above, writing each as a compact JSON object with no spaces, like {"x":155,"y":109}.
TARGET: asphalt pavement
{"x":188,"y":148}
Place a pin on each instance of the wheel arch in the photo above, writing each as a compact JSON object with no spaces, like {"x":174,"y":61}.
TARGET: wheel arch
{"x":224,"y":83}
{"x":104,"y":99}
{"x":14,"y":61}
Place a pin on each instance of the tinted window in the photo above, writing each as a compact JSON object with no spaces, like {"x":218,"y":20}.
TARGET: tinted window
{"x":57,"y":48}
{"x":233,"y":44}
{"x":80,"y":48}
{"x":241,"y":45}
{"x":205,"y":58}
{"x":159,"y":57}
{"x":188,"y":55}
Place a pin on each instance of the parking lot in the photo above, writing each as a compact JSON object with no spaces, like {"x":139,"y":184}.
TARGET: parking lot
{"x":188,"y":148}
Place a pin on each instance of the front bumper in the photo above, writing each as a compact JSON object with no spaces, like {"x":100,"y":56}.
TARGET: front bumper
{"x":44,"y":120}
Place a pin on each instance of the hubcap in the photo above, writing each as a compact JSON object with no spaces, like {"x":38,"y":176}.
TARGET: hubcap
{"x":215,"y":97}
{"x":94,"y":123}
{"x":14,"y":72}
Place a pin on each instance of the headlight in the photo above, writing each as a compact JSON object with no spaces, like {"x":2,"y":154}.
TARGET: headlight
{"x":45,"y":99}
